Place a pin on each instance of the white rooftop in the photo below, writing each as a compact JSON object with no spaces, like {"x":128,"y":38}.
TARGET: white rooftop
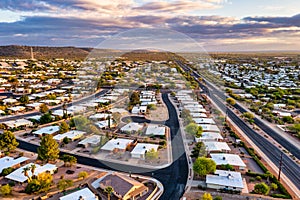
{"x":100,"y":116}
{"x":211,"y":136}
{"x":132,"y":126}
{"x":119,"y":143}
{"x":204,"y":121}
{"x":18,"y":176}
{"x":209,"y":128}
{"x":47,"y":130}
{"x":217,"y":146}
{"x":104,"y":123}
{"x":85,"y":193}
{"x":225,"y":178}
{"x":7,"y":161}
{"x":73,"y":135}
{"x":197,"y":115}
{"x":94,"y":139}
{"x":231,"y":159}
{"x":141,"y":148}
{"x":154,"y":129}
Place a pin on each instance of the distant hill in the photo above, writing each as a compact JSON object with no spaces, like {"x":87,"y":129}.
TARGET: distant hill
{"x":23,"y":52}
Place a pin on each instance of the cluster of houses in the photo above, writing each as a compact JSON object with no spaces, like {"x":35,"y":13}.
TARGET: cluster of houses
{"x":217,"y":150}
{"x":124,"y":187}
{"x":146,"y":98}
{"x":270,"y":74}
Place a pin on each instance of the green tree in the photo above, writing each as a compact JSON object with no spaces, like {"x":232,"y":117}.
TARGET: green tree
{"x":46,"y":118}
{"x":151,"y":154}
{"x":5,"y":189}
{"x":207,"y":196}
{"x":199,"y":132}
{"x":288,"y":119}
{"x":80,"y":122}
{"x":41,"y":183}
{"x":230,"y":101}
{"x":48,"y":149}
{"x":261,"y":188}
{"x":43,"y":108}
{"x":8,"y":141}
{"x":192,"y":128}
{"x":82,"y":174}
{"x":64,"y":184}
{"x":203,"y":166}
{"x":198,"y":150}
{"x":134,"y":98}
{"x":64,"y":127}
{"x":109,"y":190}
{"x":274,"y":186}
{"x":248,"y":115}
{"x":32,"y":169}
{"x":68,"y":159}
{"x":24,"y":99}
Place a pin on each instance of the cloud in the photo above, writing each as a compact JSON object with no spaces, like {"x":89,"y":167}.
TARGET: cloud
{"x":179,"y":6}
{"x":282,"y":21}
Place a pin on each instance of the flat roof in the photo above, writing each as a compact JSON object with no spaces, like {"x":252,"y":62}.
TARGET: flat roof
{"x":204,"y":120}
{"x":211,"y":136}
{"x":154,"y":129}
{"x":141,"y":148}
{"x":225,"y":178}
{"x":224,"y":158}
{"x":104,"y":123}
{"x":217,"y":146}
{"x":47,"y":130}
{"x":75,"y":134}
{"x":197,"y":115}
{"x":100,"y":116}
{"x":94,"y":139}
{"x":85,"y":193}
{"x":18,"y":176}
{"x":132,"y":126}
{"x":119,"y":143}
{"x":8,"y":161}
{"x":210,"y":127}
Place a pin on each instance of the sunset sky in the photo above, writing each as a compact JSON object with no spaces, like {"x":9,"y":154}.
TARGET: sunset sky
{"x":217,"y":25}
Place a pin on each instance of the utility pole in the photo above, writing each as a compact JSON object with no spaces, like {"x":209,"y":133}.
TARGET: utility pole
{"x":280,"y":166}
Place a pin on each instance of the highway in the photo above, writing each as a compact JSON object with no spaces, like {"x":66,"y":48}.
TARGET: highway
{"x":173,"y":178}
{"x":290,"y":168}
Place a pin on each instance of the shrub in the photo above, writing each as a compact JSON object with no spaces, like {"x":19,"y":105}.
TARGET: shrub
{"x":83,"y":174}
{"x":274,"y":186}
{"x":7,"y":171}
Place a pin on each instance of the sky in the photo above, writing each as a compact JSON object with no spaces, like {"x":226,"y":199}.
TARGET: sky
{"x":216,"y":25}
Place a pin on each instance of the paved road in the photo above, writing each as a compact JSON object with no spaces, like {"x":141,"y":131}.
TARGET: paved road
{"x":173,"y":178}
{"x":290,"y":168}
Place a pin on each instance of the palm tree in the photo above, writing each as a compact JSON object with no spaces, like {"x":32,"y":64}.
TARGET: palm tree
{"x":32,"y":168}
{"x":25,"y":172}
{"x":65,"y":112}
{"x":109,"y":190}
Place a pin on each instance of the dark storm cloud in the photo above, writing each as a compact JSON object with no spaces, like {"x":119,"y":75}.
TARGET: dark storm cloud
{"x":282,"y":21}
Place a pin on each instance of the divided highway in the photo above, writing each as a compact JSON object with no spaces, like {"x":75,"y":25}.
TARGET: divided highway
{"x":290,"y":168}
